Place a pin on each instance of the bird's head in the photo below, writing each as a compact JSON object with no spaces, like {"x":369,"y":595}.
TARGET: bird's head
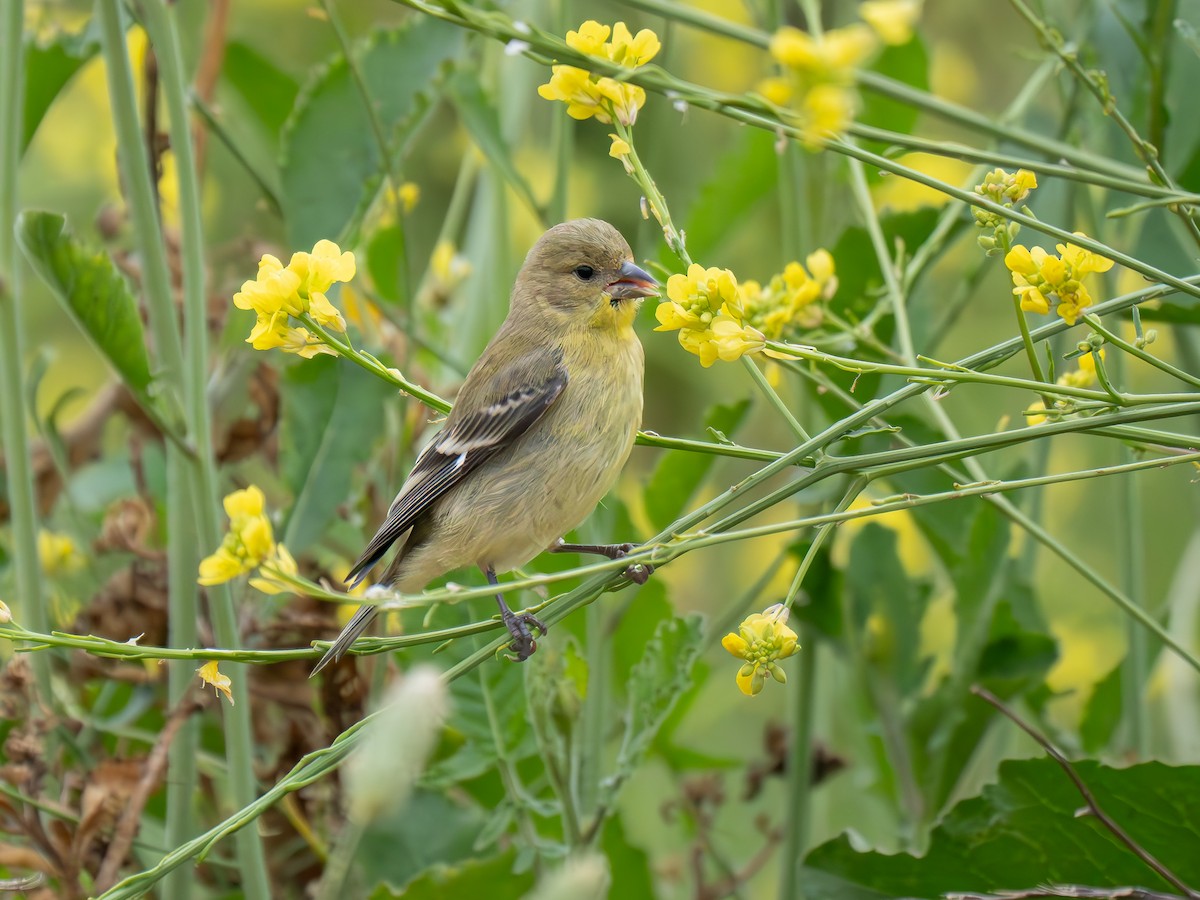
{"x":583,"y":270}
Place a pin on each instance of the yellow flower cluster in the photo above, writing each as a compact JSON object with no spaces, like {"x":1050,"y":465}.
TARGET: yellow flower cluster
{"x":705,"y":307}
{"x":248,"y":544}
{"x":604,"y":98}
{"x":762,"y":639}
{"x":280,"y":293}
{"x":1042,"y":280}
{"x":717,"y":318}
{"x":1007,"y":189}
{"x":819,"y":79}
{"x":791,"y":298}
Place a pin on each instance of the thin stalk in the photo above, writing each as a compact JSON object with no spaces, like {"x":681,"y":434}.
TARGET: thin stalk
{"x":799,"y":767}
{"x":1133,"y":350}
{"x":18,"y":468}
{"x":182,"y":560}
{"x":171,"y":359}
{"x":772,"y":397}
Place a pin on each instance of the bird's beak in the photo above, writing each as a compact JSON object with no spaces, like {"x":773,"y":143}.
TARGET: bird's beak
{"x":633,"y":283}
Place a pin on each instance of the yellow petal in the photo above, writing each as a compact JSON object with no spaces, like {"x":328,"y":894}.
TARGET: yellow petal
{"x":209,"y":675}
{"x":735,"y":645}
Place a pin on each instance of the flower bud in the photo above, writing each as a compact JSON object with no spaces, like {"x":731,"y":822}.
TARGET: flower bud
{"x":583,"y":877}
{"x":381,"y":773}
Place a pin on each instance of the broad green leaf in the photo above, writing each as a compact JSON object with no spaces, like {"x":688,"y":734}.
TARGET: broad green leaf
{"x":92,"y":292}
{"x":743,"y":177}
{"x":268,"y":91}
{"x":888,"y":605}
{"x":331,"y":164}
{"x":331,"y":418}
{"x":1024,"y":831}
{"x":48,"y":68}
{"x":906,"y":63}
{"x":951,"y":724}
{"x":1102,"y":713}
{"x":430,"y":831}
{"x":655,"y":685}
{"x":680,"y":473}
{"x":632,"y":878}
{"x":479,"y":113}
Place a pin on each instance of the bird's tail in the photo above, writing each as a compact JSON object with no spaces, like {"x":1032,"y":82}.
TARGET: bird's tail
{"x":357,"y":625}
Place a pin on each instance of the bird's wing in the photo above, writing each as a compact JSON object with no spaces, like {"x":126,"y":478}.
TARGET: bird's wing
{"x":465,"y":444}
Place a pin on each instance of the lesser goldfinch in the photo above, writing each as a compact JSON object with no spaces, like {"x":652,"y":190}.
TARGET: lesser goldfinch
{"x":542,"y":426}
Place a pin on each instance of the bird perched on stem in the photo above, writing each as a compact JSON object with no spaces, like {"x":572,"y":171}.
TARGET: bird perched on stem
{"x":541,"y":428}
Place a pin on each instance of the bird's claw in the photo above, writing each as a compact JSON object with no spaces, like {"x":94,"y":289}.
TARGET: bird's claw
{"x":638,"y":573}
{"x":518,"y":624}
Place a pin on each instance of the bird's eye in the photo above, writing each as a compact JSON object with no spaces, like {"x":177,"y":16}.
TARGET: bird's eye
{"x":584,"y":273}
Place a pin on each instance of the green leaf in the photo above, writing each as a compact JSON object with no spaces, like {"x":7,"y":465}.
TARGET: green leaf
{"x":880,"y":587}
{"x":680,"y":473}
{"x":48,"y":68}
{"x":1102,"y":713}
{"x":492,"y":877}
{"x":268,"y":92}
{"x":479,"y":113}
{"x":428,"y":831}
{"x":656,"y":683}
{"x":331,"y":165}
{"x":92,"y":291}
{"x":632,"y":878}
{"x":331,"y":418}
{"x":743,"y":177}
{"x":1025,"y":831}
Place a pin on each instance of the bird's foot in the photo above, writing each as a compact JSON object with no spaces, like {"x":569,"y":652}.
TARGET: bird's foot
{"x":518,"y":624}
{"x":638,"y":573}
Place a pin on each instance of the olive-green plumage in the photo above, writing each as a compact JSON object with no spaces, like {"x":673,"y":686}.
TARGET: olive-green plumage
{"x":541,"y":428}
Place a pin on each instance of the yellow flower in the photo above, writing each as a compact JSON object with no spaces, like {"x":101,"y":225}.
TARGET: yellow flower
{"x":248,"y":542}
{"x":274,"y":289}
{"x":695,"y":299}
{"x":1039,"y":277}
{"x":58,"y":554}
{"x":273,"y":573}
{"x":209,"y":675}
{"x":632,"y":50}
{"x":620,"y":148}
{"x":830,"y":57}
{"x":604,"y":98}
{"x":892,"y":20}
{"x":776,"y":90}
{"x":589,"y":38}
{"x":280,"y":292}
{"x":408,"y":195}
{"x":1083,"y":262}
{"x":274,"y":332}
{"x":791,"y":298}
{"x":1035,"y":414}
{"x":828,"y":110}
{"x":762,"y":639}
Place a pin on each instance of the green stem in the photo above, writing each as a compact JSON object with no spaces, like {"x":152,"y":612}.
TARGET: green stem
{"x":1133,"y":350}
{"x":1147,"y":152}
{"x":799,"y":767}
{"x":17,"y":462}
{"x":171,"y":360}
{"x":1035,"y":364}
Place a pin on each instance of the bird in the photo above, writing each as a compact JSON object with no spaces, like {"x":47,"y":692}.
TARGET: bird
{"x":542,"y":426}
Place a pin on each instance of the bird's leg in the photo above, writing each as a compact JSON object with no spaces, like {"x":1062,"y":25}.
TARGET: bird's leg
{"x":638,"y":572}
{"x":517,"y":624}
